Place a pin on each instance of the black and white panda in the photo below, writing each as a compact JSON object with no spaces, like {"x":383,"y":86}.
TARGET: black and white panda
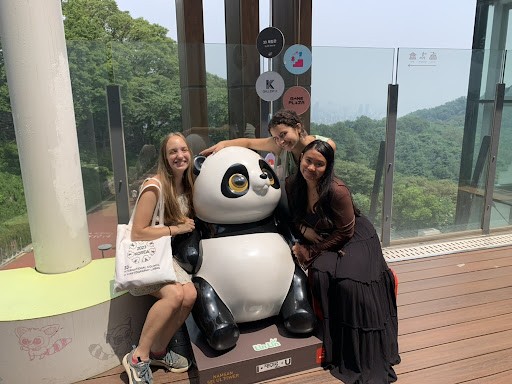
{"x":244,"y":269}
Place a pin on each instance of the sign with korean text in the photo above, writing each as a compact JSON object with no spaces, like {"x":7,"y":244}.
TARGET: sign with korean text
{"x":270,"y":42}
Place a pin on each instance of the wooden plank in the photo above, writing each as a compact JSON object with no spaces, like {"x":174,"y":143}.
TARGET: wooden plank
{"x":454,"y":269}
{"x":117,"y":375}
{"x":450,"y":303}
{"x":455,"y":290}
{"x":113,"y":375}
{"x":446,"y":281}
{"x":313,"y":376}
{"x":455,"y":258}
{"x":160,"y":376}
{"x":455,"y":332}
{"x":432,"y":321}
{"x":478,"y":368}
{"x":499,"y":378}
{"x":459,"y":350}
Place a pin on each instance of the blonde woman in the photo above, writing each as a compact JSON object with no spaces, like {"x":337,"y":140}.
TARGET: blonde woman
{"x":175,"y":300}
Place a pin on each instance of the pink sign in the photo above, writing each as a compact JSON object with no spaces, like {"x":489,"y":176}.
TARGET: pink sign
{"x":297,"y":99}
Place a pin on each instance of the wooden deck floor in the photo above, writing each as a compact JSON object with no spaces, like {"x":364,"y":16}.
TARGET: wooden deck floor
{"x":455,"y":324}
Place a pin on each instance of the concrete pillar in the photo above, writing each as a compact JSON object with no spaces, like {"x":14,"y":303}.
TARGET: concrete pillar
{"x":36,"y":62}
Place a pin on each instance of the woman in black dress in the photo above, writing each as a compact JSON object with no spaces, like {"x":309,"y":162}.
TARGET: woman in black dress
{"x":349,"y":277}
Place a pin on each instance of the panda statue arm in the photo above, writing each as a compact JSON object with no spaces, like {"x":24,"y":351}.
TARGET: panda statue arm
{"x":186,"y":249}
{"x":285,"y":225}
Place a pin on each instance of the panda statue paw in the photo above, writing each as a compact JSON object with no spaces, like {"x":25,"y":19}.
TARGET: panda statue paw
{"x":224,"y":337}
{"x":301,"y":321}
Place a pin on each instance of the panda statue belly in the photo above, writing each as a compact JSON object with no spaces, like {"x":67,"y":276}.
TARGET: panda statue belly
{"x":258,"y":267}
{"x":242,"y":267}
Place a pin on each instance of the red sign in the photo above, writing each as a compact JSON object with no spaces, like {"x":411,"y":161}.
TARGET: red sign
{"x":297,"y":99}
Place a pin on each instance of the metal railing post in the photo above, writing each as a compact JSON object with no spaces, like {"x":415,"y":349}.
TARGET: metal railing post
{"x":117,"y":148}
{"x":389,"y":163}
{"x":493,"y":153}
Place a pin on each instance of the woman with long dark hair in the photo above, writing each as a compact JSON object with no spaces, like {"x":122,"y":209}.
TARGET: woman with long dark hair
{"x":350,"y":280}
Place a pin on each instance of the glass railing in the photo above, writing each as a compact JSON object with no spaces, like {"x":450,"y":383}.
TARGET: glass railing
{"x":432,"y":103}
{"x":439,"y":173}
{"x":14,"y":227}
{"x":501,"y":212}
{"x":348,"y":104}
{"x":149,"y":81}
{"x":90,"y":74}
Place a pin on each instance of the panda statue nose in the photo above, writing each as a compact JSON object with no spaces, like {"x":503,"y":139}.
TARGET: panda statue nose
{"x":260,"y":185}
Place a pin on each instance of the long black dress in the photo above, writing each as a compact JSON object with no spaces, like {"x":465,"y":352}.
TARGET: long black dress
{"x":356,"y":291}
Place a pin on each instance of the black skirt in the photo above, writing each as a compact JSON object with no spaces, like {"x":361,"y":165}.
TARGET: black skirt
{"x":356,"y":292}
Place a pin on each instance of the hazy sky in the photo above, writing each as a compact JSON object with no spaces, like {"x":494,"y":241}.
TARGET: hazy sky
{"x":342,"y":23}
{"x":369,"y":41}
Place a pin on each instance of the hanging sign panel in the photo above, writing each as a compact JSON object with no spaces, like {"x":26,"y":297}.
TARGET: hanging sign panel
{"x":297,"y":59}
{"x":270,"y":86}
{"x":270,"y":42}
{"x":297,"y":99}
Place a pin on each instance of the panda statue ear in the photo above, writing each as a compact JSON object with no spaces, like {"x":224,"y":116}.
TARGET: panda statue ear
{"x":198,"y":163}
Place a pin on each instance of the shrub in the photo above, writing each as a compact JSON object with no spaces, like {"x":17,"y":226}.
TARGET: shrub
{"x":14,"y":236}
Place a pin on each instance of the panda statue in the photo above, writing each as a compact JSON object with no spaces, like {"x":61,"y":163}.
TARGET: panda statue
{"x":243,"y":268}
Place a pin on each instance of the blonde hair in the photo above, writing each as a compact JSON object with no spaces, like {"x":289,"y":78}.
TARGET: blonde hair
{"x":172,"y":212}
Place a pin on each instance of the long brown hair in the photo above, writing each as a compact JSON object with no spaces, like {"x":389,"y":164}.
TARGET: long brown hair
{"x":298,"y":201}
{"x":289,"y":118}
{"x":172,"y":212}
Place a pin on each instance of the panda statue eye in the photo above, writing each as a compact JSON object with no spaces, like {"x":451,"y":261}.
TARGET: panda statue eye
{"x":238,"y":183}
{"x":270,"y":176}
{"x":235,"y":182}
{"x":269,"y":172}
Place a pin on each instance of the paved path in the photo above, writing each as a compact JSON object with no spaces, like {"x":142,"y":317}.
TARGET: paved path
{"x":102,"y":223}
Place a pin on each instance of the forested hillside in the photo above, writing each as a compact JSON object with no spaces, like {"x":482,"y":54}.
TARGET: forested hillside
{"x":451,"y":113}
{"x":428,"y":142}
{"x":427,"y":161}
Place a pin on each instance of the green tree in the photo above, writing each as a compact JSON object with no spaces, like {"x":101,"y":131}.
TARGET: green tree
{"x":422,"y":203}
{"x":359,"y":180}
{"x":149,"y":78}
{"x":101,"y":20}
{"x":12,"y":196}
{"x":6,"y":122}
{"x":109,"y":47}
